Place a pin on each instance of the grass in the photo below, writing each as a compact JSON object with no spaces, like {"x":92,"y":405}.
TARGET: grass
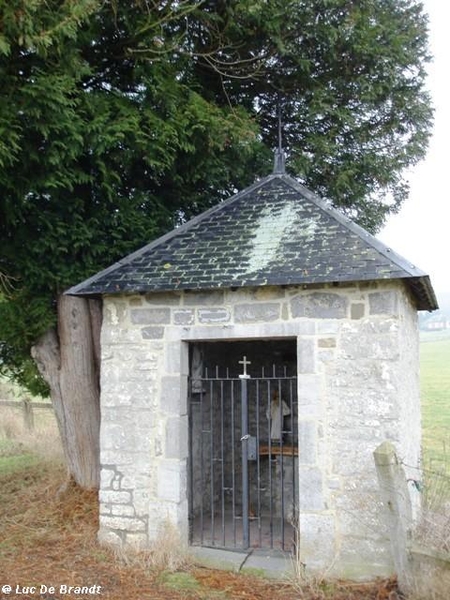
{"x":435,"y":392}
{"x":14,"y":464}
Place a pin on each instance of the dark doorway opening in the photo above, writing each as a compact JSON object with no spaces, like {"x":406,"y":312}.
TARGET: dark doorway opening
{"x":243,"y":416}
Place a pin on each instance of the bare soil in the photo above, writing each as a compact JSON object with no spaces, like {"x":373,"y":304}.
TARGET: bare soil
{"x":48,"y":537}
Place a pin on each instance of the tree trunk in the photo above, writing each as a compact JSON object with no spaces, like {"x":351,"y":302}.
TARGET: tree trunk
{"x":69,"y":361}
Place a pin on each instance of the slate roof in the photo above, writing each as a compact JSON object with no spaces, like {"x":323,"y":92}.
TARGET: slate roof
{"x":275,"y":232}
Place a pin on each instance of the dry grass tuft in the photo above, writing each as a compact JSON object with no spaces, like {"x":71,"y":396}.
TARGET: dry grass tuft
{"x":430,"y":583}
{"x":168,"y":553}
{"x":42,"y":441}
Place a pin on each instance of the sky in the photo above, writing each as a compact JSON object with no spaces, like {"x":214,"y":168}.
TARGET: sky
{"x":421,"y":230}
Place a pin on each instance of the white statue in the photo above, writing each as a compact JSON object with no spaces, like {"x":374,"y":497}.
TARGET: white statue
{"x":276,"y":415}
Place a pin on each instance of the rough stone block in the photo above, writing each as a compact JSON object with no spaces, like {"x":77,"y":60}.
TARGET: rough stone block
{"x":109,"y":457}
{"x":171,"y":401}
{"x":357,"y":311}
{"x":253,"y":313}
{"x":122,"y":510}
{"x":366,"y":549}
{"x":112,"y":436}
{"x":307,"y":442}
{"x":134,"y":479}
{"x":171,"y":480}
{"x":161,"y":514}
{"x":383,"y":303}
{"x":309,"y":396}
{"x":325,"y":356}
{"x":130,"y":435}
{"x":311,"y":489}
{"x":375,"y":339}
{"x":306,"y":359}
{"x":105,"y":509}
{"x":112,"y":497}
{"x":352,"y":462}
{"x":152,"y":333}
{"x":117,"y":336}
{"x":114,"y":311}
{"x":334,"y":483}
{"x":213,"y":315}
{"x":268,"y":293}
{"x":172,"y":359}
{"x":150,"y":316}
{"x":327,"y":342}
{"x":141,"y":497}
{"x":319,"y":305}
{"x":163,"y":298}
{"x":106,"y":478}
{"x":128,"y":394}
{"x":116,"y":482}
{"x":123,"y":523}
{"x":318,"y":539}
{"x":106,"y":537}
{"x":184,"y":316}
{"x":177,"y":438}
{"x":203,"y":298}
{"x":327,"y":327}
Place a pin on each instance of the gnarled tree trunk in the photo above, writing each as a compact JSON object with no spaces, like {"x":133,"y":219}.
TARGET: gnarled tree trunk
{"x":69,"y":360}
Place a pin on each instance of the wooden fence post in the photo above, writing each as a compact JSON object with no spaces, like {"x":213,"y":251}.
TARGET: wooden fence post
{"x":397,"y":505}
{"x":28,"y":415}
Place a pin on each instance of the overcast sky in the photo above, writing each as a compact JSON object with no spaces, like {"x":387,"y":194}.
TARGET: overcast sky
{"x":421,"y":231}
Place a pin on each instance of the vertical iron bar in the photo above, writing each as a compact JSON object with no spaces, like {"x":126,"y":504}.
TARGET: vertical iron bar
{"x":211,"y":459}
{"x":294,"y":418}
{"x":281,"y":464}
{"x":258,"y":464}
{"x":233,"y":465}
{"x":222,"y":461}
{"x":269,"y":462}
{"x":202,"y":466}
{"x":244,"y":440}
{"x":191,"y":463}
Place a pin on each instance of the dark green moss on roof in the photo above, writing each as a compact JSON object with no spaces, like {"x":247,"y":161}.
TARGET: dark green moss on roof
{"x":275,"y":232}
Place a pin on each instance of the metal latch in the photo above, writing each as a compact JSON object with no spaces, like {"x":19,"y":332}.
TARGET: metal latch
{"x":252,"y":452}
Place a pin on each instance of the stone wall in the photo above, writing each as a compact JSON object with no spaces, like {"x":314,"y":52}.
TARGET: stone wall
{"x":357,"y":354}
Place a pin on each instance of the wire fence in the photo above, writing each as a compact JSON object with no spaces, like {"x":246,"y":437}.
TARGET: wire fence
{"x":432,"y":529}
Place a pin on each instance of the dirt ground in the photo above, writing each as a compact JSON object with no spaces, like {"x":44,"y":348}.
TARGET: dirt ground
{"x":48,"y":539}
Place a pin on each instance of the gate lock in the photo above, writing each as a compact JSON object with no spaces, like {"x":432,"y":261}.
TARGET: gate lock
{"x":251,"y":446}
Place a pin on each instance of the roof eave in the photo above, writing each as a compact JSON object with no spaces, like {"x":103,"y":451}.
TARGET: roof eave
{"x":420,"y":287}
{"x":423,"y":292}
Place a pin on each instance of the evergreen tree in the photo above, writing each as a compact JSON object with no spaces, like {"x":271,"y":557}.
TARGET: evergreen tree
{"x":119,"y":119}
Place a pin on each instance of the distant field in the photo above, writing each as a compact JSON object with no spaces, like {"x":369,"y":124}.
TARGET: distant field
{"x":435,"y":391}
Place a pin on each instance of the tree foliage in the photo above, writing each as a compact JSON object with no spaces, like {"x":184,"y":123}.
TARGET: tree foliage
{"x":118,"y":119}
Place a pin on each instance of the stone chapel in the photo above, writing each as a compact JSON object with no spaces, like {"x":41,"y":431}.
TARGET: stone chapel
{"x":252,"y":360}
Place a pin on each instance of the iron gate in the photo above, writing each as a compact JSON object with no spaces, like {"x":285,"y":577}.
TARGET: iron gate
{"x":243,"y":459}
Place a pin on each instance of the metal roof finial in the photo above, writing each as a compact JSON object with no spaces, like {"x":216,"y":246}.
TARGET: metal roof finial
{"x":279,"y":160}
